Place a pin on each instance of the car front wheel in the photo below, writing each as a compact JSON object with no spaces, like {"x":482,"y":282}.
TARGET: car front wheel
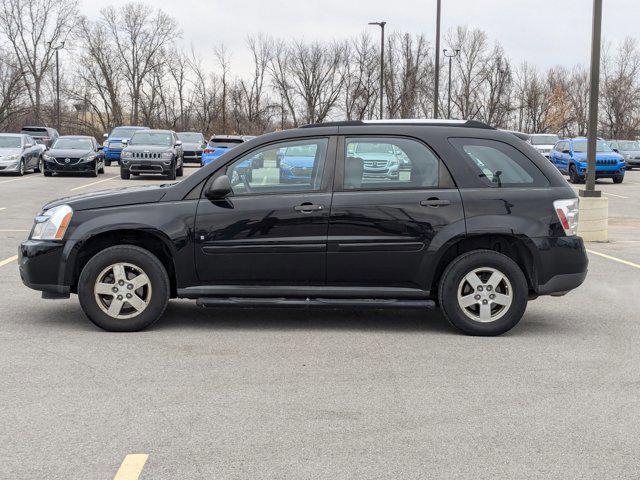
{"x":123,"y":288}
{"x":483,"y":292}
{"x":618,"y":178}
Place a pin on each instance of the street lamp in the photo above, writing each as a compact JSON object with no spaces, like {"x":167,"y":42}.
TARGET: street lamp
{"x":57,"y":49}
{"x":450,"y":56}
{"x":381,"y":25}
{"x":436,"y":87}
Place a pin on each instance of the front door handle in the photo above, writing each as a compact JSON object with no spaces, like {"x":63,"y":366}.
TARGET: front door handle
{"x":435,"y":202}
{"x":308,"y":208}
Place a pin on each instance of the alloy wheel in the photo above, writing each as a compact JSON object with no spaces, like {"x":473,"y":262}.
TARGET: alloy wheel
{"x":485,"y":294}
{"x":122,"y":290}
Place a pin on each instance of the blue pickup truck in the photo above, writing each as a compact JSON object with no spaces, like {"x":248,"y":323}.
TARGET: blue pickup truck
{"x":570,"y":157}
{"x":113,"y":142}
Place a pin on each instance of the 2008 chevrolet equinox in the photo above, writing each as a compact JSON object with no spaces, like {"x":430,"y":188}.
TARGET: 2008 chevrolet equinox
{"x":475,"y":221}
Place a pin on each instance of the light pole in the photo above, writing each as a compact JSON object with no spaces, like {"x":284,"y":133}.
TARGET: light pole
{"x":57,"y":49}
{"x":592,"y":133}
{"x":436,"y":87}
{"x":450,"y":56}
{"x":381,"y":25}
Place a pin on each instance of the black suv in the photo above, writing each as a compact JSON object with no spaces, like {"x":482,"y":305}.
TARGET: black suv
{"x":152,"y":151}
{"x":476,"y":222}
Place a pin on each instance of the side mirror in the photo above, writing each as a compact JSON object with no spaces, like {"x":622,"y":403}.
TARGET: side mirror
{"x":616,"y":150}
{"x":28,"y":145}
{"x":105,"y":135}
{"x":125,"y":142}
{"x":100,"y":148}
{"x":220,"y":188}
{"x":178,"y":143}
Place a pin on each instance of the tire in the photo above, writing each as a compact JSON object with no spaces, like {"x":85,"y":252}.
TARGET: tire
{"x":95,"y":171}
{"x":40,"y":167}
{"x":573,"y":175}
{"x":152,"y":297}
{"x":172,"y":173}
{"x":48,"y":174}
{"x":21,"y":168}
{"x":101,"y":169}
{"x":618,"y":178}
{"x":107,"y":163}
{"x":124,"y":174}
{"x":180,"y":171}
{"x":483,"y":264}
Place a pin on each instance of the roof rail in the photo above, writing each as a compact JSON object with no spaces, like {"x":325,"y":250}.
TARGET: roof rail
{"x":405,"y":121}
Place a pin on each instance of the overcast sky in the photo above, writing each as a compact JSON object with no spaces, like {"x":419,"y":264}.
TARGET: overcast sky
{"x":543,"y":32}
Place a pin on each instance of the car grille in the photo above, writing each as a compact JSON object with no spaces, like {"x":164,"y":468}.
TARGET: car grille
{"x":375,"y":163}
{"x":67,"y":161}
{"x":117,"y":145}
{"x":146,"y":155}
{"x":606,"y":162}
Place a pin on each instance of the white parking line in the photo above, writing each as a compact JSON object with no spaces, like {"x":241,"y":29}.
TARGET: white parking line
{"x":5,"y":230}
{"x":615,"y":259}
{"x":3,"y":208}
{"x":7,"y":261}
{"x":614,"y":195}
{"x":131,"y":467}
{"x":93,"y":183}
{"x":15,"y":179}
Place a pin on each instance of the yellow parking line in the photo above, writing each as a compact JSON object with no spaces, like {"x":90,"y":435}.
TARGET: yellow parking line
{"x":615,"y":259}
{"x":93,"y":183}
{"x":7,"y":261}
{"x":3,"y":208}
{"x":131,"y":467}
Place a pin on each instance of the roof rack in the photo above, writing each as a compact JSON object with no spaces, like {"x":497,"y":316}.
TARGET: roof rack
{"x":437,"y":122}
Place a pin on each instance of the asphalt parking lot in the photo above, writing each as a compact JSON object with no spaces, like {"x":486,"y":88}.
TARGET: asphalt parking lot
{"x":240,"y":394}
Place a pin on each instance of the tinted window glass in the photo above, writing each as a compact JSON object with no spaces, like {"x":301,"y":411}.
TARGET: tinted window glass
{"x":280,"y":168}
{"x":387,"y":163}
{"x":499,"y":164}
{"x":73,"y":143}
{"x":10,"y":142}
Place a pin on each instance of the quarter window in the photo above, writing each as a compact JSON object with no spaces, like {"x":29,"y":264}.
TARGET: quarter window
{"x":294,"y":166}
{"x":388,"y":163}
{"x":499,"y":164}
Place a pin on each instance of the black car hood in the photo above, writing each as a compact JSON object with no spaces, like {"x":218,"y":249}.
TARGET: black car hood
{"x":112,"y":198}
{"x":68,"y":153}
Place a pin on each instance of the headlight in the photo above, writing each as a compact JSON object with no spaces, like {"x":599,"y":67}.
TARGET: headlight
{"x":125,"y":154}
{"x":48,"y":157}
{"x":53,"y":223}
{"x":89,"y":157}
{"x":167,"y":154}
{"x":10,"y":158}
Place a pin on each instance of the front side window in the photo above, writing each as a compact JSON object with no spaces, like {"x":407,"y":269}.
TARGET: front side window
{"x":293,"y":166}
{"x":499,"y":164}
{"x":388,"y":163}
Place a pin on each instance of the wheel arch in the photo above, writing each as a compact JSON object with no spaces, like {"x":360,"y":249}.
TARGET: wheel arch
{"x":150,"y":240}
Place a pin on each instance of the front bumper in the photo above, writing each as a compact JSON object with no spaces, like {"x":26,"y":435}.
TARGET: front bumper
{"x":42,"y":266}
{"x":561,"y":266}
{"x":87,"y":166}
{"x":136,"y":165}
{"x":10,"y":166}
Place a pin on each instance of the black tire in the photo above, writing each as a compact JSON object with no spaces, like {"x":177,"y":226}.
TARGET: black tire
{"x":40,"y":167}
{"x":21,"y":168}
{"x":618,"y":178}
{"x":172,"y":172}
{"x":48,"y":174}
{"x":124,"y":174}
{"x":453,"y":279}
{"x":107,"y":163}
{"x":574,"y":177}
{"x":94,"y":173}
{"x":101,"y":169}
{"x":158,"y":295}
{"x":180,"y":171}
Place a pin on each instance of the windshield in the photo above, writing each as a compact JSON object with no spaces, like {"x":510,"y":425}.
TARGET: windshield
{"x":151,"y":138}
{"x":628,"y":145}
{"x":581,"y":146}
{"x":385,"y":148}
{"x":73,"y":144}
{"x":191,"y":137}
{"x":123,"y":132}
{"x":544,"y":139}
{"x":10,"y":142}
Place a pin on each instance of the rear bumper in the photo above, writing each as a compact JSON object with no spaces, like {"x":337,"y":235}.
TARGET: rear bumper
{"x":562,"y":264}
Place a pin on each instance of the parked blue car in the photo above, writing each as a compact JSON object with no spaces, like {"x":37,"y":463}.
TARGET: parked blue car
{"x":570,"y":157}
{"x":220,"y":144}
{"x":113,"y":142}
{"x":296,"y":163}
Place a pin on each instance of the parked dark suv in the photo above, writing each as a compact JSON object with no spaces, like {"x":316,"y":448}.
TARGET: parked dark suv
{"x":152,"y":151}
{"x":478,"y":223}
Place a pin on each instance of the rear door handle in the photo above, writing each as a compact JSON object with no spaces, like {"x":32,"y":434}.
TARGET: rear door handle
{"x":308,"y":208}
{"x":435,"y":202}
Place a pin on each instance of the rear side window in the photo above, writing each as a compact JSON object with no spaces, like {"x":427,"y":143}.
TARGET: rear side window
{"x":384,"y":163}
{"x":498,"y":164}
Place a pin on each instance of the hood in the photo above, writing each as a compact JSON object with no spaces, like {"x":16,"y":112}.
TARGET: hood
{"x":9,"y":151}
{"x":600,"y":156}
{"x":68,"y":152}
{"x":111,"y":198}
{"x":148,"y":148}
{"x":191,"y":145}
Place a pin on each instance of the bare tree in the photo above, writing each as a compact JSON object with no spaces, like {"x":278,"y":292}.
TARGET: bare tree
{"x":11,"y":88}
{"x":140,"y":35}
{"x":361,"y":79}
{"x":34,"y":28}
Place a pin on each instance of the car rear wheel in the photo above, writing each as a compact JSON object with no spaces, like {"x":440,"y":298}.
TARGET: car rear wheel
{"x":483,"y":292}
{"x":107,"y":163}
{"x":123,"y":288}
{"x":40,"y":167}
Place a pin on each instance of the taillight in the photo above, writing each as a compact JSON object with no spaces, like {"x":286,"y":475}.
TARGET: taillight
{"x":209,"y":150}
{"x":567,"y":211}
